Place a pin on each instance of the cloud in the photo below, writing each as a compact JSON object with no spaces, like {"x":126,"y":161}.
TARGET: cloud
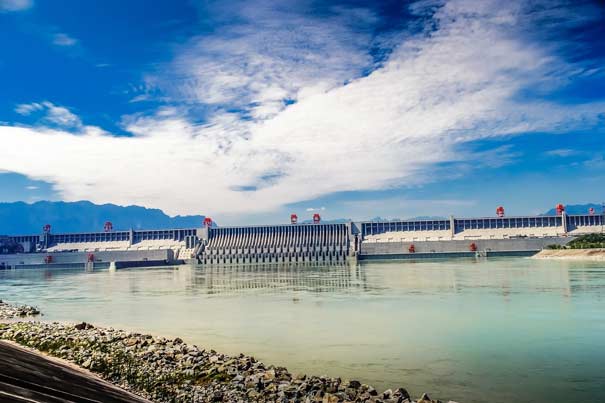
{"x":597,"y":162}
{"x":28,"y":109}
{"x":561,"y":152}
{"x":295,"y":107}
{"x":274,"y":55}
{"x":53,"y":114}
{"x":15,"y":5}
{"x":62,"y":39}
{"x":32,"y":187}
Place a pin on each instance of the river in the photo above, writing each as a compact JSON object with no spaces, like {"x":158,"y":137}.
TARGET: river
{"x":496,"y":330}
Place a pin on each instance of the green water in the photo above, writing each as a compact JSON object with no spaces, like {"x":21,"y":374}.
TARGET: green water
{"x":500,"y":330}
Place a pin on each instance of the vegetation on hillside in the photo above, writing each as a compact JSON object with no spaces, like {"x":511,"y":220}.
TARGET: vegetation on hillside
{"x":589,"y":241}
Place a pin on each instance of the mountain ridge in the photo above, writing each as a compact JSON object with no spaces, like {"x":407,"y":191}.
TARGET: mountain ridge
{"x":25,"y":218}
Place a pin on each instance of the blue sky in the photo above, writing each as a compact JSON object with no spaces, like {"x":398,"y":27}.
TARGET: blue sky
{"x":249,"y":110}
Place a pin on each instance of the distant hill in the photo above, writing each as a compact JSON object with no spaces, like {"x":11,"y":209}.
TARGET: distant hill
{"x":578,"y":209}
{"x":334,"y":221}
{"x":24,"y":218}
{"x":346,"y":220}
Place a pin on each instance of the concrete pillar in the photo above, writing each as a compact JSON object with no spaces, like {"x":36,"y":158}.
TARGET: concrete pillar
{"x":452,"y":226}
{"x":564,"y":221}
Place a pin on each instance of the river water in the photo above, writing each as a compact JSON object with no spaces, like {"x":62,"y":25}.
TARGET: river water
{"x":497,"y":330}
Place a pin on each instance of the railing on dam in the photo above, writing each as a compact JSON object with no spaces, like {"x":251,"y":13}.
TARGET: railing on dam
{"x":379,"y":227}
{"x":277,"y":243}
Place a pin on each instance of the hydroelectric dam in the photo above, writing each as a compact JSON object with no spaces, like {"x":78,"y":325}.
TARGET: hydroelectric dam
{"x":316,"y":242}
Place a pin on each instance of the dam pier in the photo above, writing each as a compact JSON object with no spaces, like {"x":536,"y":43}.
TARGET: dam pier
{"x":316,"y":242}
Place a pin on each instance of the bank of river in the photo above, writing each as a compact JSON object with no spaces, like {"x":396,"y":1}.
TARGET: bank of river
{"x":597,"y":255}
{"x":165,"y":370}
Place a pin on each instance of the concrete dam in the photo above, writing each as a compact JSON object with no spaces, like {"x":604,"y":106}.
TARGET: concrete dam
{"x":277,"y":243}
{"x":316,"y":242}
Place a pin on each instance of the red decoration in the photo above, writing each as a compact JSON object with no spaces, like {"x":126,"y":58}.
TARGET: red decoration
{"x":293,"y":219}
{"x":208,"y":222}
{"x":412,"y":249}
{"x":473,"y":247}
{"x":316,"y":218}
{"x":500,"y":211}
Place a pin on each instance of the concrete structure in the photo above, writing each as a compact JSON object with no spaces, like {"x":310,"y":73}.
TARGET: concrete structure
{"x":276,"y":243}
{"x":320,"y":243}
{"x":124,"y":248}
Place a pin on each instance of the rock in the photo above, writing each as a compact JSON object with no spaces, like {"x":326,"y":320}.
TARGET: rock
{"x":354,"y":384}
{"x":400,"y":392}
{"x":83,"y":326}
{"x":171,"y":371}
{"x":424,"y":398}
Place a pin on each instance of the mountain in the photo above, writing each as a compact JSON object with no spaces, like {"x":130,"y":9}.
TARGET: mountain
{"x":578,"y":209}
{"x":335,"y":221}
{"x":23,"y":218}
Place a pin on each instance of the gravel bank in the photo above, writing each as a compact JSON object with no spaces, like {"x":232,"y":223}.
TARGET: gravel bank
{"x":8,"y":311}
{"x":165,"y":370}
{"x":597,"y":255}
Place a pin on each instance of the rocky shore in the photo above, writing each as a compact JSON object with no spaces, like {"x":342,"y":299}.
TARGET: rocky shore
{"x":8,"y":311}
{"x":164,"y":370}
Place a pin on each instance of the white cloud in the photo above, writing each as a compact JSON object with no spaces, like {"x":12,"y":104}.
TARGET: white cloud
{"x":561,"y":152}
{"x":15,"y":5}
{"x":32,"y":187}
{"x":62,"y":39}
{"x":438,"y":90}
{"x":271,"y":55}
{"x":28,"y":109}
{"x":53,"y":114}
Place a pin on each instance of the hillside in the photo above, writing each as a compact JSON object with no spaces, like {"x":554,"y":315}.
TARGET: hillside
{"x":24,"y":218}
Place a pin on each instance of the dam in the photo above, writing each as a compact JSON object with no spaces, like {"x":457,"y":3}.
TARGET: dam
{"x":316,"y":242}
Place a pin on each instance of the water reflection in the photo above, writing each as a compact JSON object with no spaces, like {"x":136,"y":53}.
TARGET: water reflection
{"x":273,"y":279}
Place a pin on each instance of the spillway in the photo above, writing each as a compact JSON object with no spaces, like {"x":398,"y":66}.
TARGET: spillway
{"x":276,"y":243}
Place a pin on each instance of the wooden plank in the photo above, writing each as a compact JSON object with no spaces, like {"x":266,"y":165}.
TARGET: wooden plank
{"x":27,"y":376}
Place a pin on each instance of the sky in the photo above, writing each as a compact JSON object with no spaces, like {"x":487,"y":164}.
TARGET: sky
{"x":247,"y":111}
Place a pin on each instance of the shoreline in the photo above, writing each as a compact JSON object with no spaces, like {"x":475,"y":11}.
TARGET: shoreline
{"x":12,"y":311}
{"x":169,"y":370}
{"x":595,"y":255}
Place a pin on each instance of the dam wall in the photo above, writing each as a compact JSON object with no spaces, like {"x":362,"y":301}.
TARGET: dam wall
{"x":317,"y":242}
{"x":276,"y":243}
{"x":453,"y":248}
{"x":480,"y":228}
{"x":110,"y":240}
{"x":80,"y":259}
